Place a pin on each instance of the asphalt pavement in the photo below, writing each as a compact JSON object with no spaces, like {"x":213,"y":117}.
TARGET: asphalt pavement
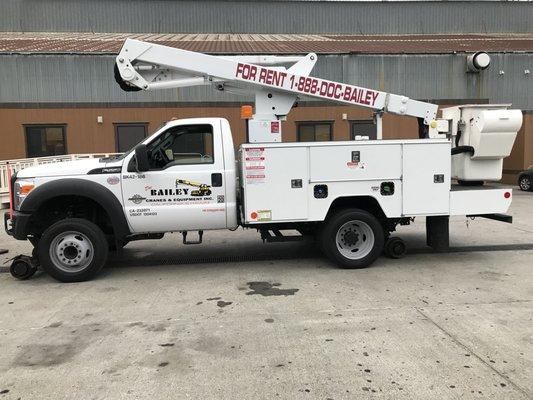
{"x":238,"y":319}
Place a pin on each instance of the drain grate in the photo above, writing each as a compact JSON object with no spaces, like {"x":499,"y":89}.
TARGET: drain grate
{"x":145,"y":262}
{"x":471,"y":249}
{"x":119,"y":263}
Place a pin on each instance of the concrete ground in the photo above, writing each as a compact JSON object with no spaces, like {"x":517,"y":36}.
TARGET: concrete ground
{"x":238,"y":319}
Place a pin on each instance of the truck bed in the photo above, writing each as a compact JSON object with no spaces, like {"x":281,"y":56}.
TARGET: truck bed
{"x":298,"y":182}
{"x":290,"y":182}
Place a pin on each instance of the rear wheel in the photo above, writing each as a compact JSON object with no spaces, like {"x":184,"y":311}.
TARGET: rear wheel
{"x":73,"y":250}
{"x":525,"y":183}
{"x":353,"y":238}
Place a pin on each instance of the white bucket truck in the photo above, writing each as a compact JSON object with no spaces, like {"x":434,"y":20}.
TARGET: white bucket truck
{"x":348,"y":196}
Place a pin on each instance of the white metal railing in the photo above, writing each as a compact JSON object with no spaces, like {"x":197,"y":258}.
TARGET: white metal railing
{"x":21,"y":163}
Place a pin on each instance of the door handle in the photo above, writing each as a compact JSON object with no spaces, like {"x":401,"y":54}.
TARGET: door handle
{"x":216,"y":179}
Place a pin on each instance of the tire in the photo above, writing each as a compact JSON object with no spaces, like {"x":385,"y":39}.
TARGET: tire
{"x":364,"y":243}
{"x":524,"y":182}
{"x":73,"y":250}
{"x":22,"y":268}
{"x":395,"y":247}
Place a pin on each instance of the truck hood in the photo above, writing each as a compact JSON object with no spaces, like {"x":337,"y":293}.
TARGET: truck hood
{"x":67,"y":168}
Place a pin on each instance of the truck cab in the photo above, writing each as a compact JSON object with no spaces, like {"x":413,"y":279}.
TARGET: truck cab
{"x":190,"y":165}
{"x":189,"y":182}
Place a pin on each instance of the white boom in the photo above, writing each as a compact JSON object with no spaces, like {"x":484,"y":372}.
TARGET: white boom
{"x":147,"y":66}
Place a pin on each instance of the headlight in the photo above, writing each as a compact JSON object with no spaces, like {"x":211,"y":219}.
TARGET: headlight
{"x":22,"y":188}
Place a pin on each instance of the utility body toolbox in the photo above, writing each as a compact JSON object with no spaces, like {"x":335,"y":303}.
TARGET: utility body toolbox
{"x":290,"y":182}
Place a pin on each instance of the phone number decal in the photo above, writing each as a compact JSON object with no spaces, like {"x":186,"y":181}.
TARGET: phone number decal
{"x":309,"y":85}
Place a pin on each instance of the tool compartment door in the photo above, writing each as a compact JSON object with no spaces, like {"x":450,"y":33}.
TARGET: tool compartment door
{"x":426,"y":178}
{"x":360,"y":161}
{"x":275,"y":183}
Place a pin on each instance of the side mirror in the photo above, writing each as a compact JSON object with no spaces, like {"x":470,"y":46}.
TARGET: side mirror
{"x":141,"y":158}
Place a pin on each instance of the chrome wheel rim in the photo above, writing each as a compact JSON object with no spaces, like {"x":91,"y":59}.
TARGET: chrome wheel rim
{"x":71,"y":251}
{"x":355,"y":240}
{"x":525,"y":184}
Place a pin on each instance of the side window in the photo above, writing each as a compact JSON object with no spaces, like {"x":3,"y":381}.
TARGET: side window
{"x":182,"y":145}
{"x":314,"y":131}
{"x":45,"y":140}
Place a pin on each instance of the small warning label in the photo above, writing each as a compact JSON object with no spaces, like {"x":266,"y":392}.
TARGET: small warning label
{"x":253,"y":179}
{"x":264,"y":215}
{"x":255,"y":165}
{"x":355,"y":165}
{"x":254,"y":151}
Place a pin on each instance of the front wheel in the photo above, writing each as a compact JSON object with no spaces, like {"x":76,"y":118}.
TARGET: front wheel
{"x":353,"y":238}
{"x":525,"y":183}
{"x":73,"y":250}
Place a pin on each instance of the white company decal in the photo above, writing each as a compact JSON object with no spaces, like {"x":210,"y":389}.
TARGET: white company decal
{"x":183,"y":192}
{"x":309,"y":85}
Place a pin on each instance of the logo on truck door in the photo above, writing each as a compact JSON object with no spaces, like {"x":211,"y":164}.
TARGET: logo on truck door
{"x":183,"y":188}
{"x":137,"y":199}
{"x":184,"y":192}
{"x":201,"y":191}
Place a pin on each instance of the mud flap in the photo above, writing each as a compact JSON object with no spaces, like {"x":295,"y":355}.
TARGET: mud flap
{"x":438,"y":232}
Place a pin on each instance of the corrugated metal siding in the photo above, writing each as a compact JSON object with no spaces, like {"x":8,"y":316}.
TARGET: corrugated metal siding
{"x":265,"y":17}
{"x":79,"y":79}
{"x":89,"y":79}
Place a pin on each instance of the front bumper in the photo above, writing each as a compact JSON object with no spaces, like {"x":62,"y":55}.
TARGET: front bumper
{"x":16,"y":224}
{"x":8,"y":224}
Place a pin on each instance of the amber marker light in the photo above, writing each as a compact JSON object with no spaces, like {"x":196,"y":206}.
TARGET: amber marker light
{"x":247,"y":112}
{"x":25,"y":189}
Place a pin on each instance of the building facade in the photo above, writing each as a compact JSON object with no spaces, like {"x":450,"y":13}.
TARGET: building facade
{"x":58,"y":93}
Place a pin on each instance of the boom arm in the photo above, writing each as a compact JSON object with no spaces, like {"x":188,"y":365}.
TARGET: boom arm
{"x":486,"y":133}
{"x":147,"y":66}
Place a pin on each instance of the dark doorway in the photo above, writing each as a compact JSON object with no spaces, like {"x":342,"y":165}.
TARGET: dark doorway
{"x":364,"y":128}
{"x":128,"y":135}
